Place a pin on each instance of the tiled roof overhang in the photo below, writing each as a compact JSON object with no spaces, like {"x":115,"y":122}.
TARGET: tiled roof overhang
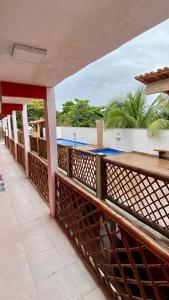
{"x":154,"y":76}
{"x":150,"y":77}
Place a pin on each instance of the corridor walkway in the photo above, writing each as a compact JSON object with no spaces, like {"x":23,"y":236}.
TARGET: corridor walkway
{"x":36,"y":259}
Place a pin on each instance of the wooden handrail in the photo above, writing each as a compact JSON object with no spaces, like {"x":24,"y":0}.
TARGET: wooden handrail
{"x":156,"y":175}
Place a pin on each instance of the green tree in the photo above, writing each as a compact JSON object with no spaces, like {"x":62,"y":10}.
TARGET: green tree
{"x":79,"y":114}
{"x":35,"y":112}
{"x":133,"y":112}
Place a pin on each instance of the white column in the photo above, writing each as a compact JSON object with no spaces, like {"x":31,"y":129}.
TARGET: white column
{"x":3,"y":124}
{"x":26,"y":137}
{"x":50,"y":119}
{"x":15,"y":131}
{"x":9,"y":126}
{"x":6,"y":126}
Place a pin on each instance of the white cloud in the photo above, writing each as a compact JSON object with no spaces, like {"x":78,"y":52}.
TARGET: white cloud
{"x":115,"y":72}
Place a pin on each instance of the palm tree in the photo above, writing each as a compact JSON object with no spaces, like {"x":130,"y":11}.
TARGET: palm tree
{"x":133,"y":112}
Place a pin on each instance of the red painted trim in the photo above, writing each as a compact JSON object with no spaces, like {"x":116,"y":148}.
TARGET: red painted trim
{"x":11,"y":89}
{"x":8,"y":108}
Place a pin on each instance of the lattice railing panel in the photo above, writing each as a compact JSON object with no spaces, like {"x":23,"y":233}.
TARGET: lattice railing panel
{"x":33,"y":143}
{"x":122,"y":261}
{"x":38,"y":173}
{"x":84,"y":167}
{"x":21,"y":155}
{"x":12,"y":147}
{"x":142,"y":194}
{"x":7,"y":141}
{"x":62,"y":157}
{"x":42,"y":148}
{"x":21,"y":137}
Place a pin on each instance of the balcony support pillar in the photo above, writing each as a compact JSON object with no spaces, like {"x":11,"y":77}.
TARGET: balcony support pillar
{"x":51,"y":145}
{"x":26,"y":138}
{"x":6,"y":126}
{"x":9,"y":126}
{"x":15,"y":132}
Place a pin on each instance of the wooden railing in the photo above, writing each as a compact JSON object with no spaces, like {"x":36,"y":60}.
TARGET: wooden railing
{"x":129,"y":262}
{"x":62,"y":152}
{"x":83,"y":167}
{"x":38,"y":174}
{"x":143,"y":194}
{"x":12,"y":147}
{"x":21,"y":155}
{"x":38,"y":145}
{"x":20,"y":137}
{"x":7,"y":142}
{"x":33,"y":143}
{"x":42,"y":148}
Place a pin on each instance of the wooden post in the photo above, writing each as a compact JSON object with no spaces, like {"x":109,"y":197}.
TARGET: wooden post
{"x":100,"y":177}
{"x":15,"y":132}
{"x":26,"y":138}
{"x":100,"y":132}
{"x":51,"y":143}
{"x":69,"y":164}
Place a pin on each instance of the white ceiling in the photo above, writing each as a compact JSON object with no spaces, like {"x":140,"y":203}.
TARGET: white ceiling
{"x":74,"y":32}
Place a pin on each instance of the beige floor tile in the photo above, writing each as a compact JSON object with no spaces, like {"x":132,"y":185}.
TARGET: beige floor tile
{"x":54,"y":229}
{"x":12,"y":254}
{"x":31,"y":229}
{"x":22,"y":207}
{"x":5,"y":196}
{"x":9,"y":236}
{"x":66,"y":251}
{"x":14,"y":278}
{"x":45,"y":264}
{"x":26,"y":216}
{"x":37,"y":244}
{"x":29,"y":293}
{"x":60,"y":286}
{"x":96,"y":294}
{"x":6,"y":208}
{"x":81,"y":276}
{"x":8,"y":221}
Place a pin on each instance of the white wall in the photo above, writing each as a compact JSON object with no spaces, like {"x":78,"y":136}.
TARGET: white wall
{"x":142,"y":142}
{"x":122,"y":139}
{"x":82,"y":134}
{"x":118,"y":138}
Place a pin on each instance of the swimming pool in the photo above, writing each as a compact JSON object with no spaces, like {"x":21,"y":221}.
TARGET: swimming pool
{"x":66,"y":142}
{"x":106,"y":151}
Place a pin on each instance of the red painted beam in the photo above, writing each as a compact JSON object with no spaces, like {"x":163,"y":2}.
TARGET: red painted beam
{"x":11,"y":89}
{"x":8,"y":108}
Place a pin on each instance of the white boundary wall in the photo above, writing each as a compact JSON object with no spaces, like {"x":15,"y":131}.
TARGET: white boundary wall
{"x":123,"y":139}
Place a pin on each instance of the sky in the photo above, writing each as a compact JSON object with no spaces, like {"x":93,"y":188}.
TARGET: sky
{"x":114,"y":73}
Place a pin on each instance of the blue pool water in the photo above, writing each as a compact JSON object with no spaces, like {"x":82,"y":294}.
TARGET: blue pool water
{"x":70,"y":143}
{"x":106,"y":151}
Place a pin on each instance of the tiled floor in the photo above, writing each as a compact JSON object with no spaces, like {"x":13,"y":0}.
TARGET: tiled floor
{"x":36,"y":259}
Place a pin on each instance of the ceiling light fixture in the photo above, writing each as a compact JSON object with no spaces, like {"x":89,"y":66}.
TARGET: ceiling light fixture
{"x":28,"y":54}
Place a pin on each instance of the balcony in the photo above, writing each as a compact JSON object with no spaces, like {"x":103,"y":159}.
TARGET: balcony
{"x":36,"y":258}
{"x":124,"y":246}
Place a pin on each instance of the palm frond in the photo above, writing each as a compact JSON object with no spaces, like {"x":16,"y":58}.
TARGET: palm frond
{"x":158,"y":125}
